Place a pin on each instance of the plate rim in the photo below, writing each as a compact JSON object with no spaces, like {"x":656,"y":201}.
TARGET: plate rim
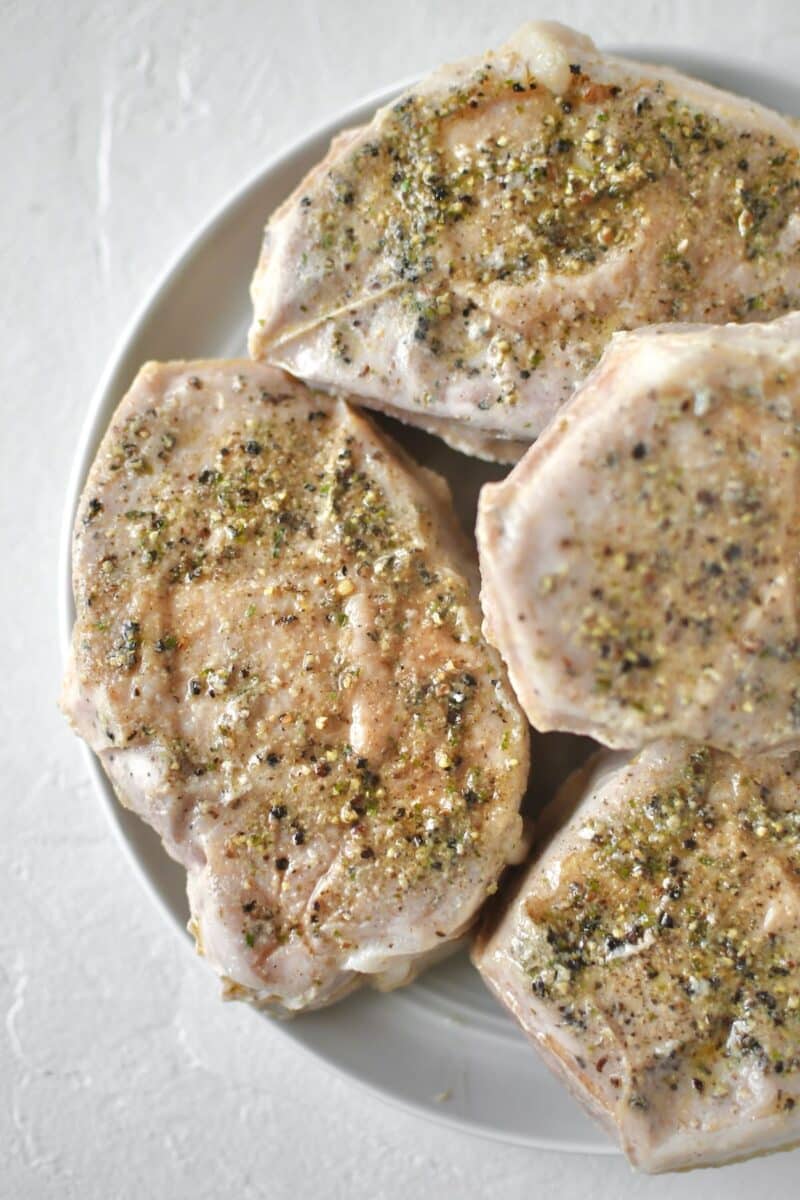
{"x":93,"y":425}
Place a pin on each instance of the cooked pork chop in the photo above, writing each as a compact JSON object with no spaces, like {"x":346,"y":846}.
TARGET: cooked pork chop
{"x":652,"y":952}
{"x":640,"y":565}
{"x":277,"y":658}
{"x":464,"y":258}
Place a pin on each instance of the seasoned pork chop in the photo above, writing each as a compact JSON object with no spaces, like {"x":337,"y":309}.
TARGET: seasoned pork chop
{"x":464,"y":258}
{"x":652,"y":952}
{"x":640,"y":565}
{"x":277,"y":658}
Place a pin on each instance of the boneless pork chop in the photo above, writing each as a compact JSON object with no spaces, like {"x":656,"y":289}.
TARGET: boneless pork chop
{"x":640,"y":565}
{"x":652,"y":952}
{"x":462,"y":261}
{"x":277,"y":658}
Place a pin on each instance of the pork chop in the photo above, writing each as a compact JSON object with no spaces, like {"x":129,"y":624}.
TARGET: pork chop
{"x":462,"y":261}
{"x":652,"y":952}
{"x":640,"y":565}
{"x":277,"y":658}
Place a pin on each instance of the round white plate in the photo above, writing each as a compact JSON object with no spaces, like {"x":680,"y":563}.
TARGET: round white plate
{"x":441,"y":1047}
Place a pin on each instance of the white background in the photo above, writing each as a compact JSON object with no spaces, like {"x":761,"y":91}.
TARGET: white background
{"x":121,"y":1074}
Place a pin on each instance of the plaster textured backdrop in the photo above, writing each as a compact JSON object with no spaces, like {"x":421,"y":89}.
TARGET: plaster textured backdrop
{"x":121,"y":1074}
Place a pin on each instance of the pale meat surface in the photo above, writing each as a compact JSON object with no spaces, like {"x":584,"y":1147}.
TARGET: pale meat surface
{"x":465,"y":257}
{"x":640,"y":565}
{"x":652,"y":952}
{"x":277,"y":658}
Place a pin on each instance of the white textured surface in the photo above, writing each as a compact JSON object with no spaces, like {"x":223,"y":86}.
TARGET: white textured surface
{"x":121,"y":1074}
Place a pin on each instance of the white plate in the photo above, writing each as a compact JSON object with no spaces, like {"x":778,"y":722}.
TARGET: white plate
{"x":441,"y":1047}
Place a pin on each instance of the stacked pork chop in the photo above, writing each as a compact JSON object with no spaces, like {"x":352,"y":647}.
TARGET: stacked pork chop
{"x":277,"y":652}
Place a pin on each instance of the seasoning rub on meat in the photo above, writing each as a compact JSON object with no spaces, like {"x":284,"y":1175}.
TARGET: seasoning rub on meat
{"x":640,"y":565}
{"x":462,"y":261}
{"x":652,"y":951}
{"x":277,"y":658}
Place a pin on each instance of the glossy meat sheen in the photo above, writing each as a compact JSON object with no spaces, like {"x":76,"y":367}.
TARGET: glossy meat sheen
{"x":652,"y":952}
{"x":466,"y":256}
{"x":640,"y":565}
{"x":277,"y":657}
